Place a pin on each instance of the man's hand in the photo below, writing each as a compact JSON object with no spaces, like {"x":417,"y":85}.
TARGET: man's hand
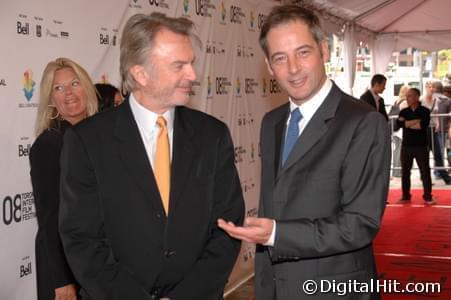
{"x":67,"y":292}
{"x":413,"y":124}
{"x":255,"y":230}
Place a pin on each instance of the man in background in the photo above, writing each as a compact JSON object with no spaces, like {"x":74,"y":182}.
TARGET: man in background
{"x":414,"y":120}
{"x":372,"y":97}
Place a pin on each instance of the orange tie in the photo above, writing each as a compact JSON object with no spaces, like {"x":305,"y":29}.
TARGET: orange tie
{"x":162,"y":163}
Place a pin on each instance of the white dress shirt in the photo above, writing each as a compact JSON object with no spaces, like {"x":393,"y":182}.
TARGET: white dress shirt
{"x":148,"y":128}
{"x":308,"y":109}
{"x":376,"y":99}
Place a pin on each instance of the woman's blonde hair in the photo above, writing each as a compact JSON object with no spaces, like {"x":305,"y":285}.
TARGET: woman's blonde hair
{"x":46,"y":110}
{"x":403,"y":92}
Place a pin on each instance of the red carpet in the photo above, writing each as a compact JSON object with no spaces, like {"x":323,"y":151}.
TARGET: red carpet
{"x":414,"y":244}
{"x":442,"y":196}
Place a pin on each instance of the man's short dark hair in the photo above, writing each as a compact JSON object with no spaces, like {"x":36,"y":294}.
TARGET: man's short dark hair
{"x":416,"y":91}
{"x":290,"y":13}
{"x":378,"y":79}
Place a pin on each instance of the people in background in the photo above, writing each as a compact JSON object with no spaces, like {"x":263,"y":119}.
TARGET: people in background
{"x":143,"y":184}
{"x":439,"y":128}
{"x":372,"y":97}
{"x":325,"y":171}
{"x":415,"y":122}
{"x":67,"y":96}
{"x":447,"y":93}
{"x":400,"y":104}
{"x":427,"y":99}
{"x":108,"y":96}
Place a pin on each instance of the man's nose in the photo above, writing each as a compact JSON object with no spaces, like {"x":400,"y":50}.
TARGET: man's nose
{"x":293,"y":65}
{"x":191,"y":73}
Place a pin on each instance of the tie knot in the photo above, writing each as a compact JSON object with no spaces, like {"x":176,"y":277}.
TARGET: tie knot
{"x":296,"y":115}
{"x":161,"y":122}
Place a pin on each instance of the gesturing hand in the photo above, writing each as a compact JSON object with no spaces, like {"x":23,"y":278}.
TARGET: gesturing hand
{"x":255,"y":230}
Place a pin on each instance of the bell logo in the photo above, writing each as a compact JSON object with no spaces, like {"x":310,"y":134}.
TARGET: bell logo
{"x":24,"y":150}
{"x":104,"y":39}
{"x":23,"y":28}
{"x":25,"y":270}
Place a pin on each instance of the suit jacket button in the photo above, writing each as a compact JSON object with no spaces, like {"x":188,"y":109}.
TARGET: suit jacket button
{"x":159,"y":215}
{"x":169,"y":253}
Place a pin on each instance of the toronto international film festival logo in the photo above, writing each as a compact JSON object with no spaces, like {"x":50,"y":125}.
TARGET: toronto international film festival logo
{"x":28,"y":84}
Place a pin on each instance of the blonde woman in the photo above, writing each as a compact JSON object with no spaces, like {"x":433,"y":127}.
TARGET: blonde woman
{"x":399,"y":105}
{"x":67,"y":96}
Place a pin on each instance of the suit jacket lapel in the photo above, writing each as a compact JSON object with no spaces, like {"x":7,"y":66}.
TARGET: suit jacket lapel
{"x":134,"y":156}
{"x":279,"y":133}
{"x":183,"y":155}
{"x":373,"y":100}
{"x":315,"y":129}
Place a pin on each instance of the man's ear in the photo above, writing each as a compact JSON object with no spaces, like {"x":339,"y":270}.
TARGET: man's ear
{"x":325,"y":51}
{"x":268,"y":66}
{"x":139,"y":74}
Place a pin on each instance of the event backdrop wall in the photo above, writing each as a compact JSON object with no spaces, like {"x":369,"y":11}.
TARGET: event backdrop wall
{"x":232,"y":85}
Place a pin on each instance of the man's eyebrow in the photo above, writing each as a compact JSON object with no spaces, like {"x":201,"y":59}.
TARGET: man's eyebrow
{"x":303,"y":47}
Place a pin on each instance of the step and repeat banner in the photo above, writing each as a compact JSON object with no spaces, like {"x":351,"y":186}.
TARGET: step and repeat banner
{"x":232,"y":85}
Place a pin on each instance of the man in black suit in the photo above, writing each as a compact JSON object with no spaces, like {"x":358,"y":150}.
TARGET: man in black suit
{"x":372,"y":97}
{"x":325,"y":172}
{"x":143,"y":184}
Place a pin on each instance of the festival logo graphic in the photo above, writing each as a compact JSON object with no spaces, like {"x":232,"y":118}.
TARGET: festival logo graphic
{"x":186,"y":6}
{"x":264,"y":85}
{"x":209,"y":85}
{"x":238,"y":85}
{"x":17,"y":208}
{"x":252,"y":152}
{"x":28,"y":84}
{"x":223,"y":11}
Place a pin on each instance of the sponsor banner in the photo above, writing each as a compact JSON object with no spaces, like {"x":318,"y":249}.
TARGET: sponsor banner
{"x":232,"y":84}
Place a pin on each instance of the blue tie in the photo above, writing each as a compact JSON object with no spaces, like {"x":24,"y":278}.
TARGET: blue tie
{"x":292,"y":133}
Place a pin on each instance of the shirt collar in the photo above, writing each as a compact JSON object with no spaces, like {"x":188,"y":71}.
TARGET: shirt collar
{"x":309,"y":107}
{"x":147,"y":119}
{"x":375,"y":95}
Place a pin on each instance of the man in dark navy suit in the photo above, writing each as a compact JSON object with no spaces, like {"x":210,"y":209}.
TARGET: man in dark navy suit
{"x":372,"y":96}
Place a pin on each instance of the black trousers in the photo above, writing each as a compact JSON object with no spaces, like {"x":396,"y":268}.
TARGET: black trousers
{"x":421,"y":156}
